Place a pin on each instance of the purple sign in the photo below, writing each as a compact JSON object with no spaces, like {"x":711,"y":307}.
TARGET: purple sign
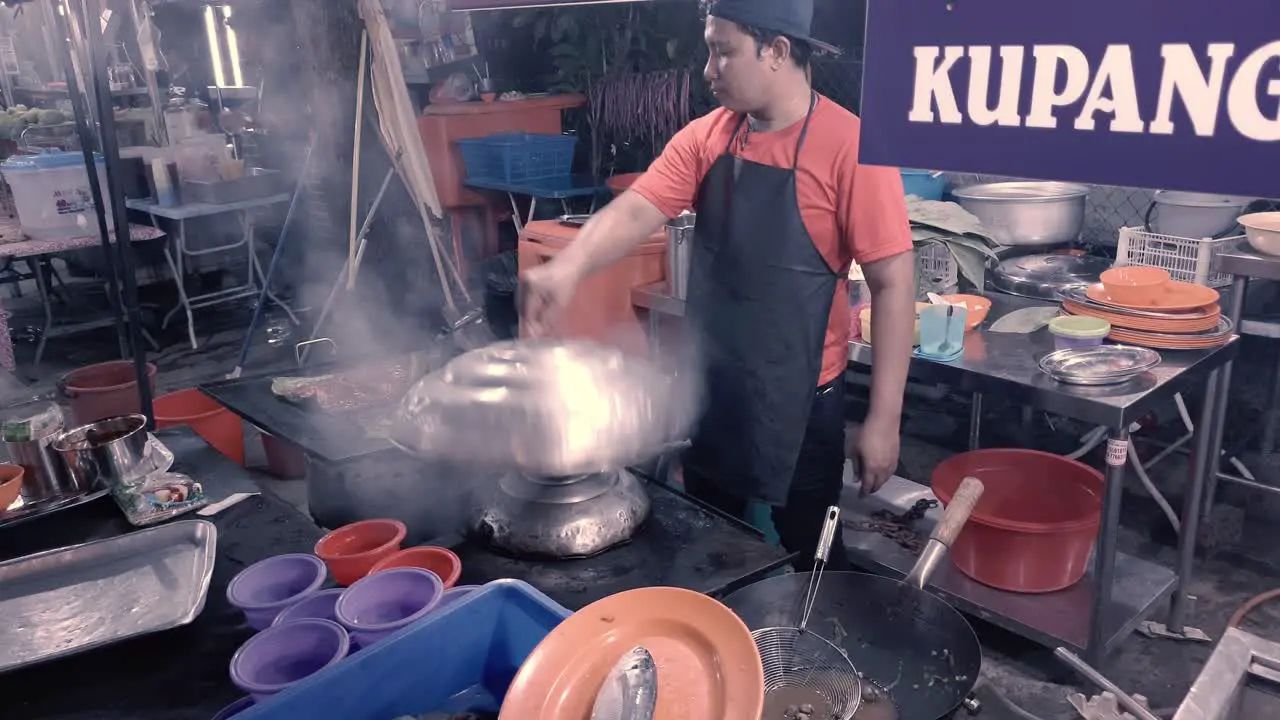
{"x":1181,"y":95}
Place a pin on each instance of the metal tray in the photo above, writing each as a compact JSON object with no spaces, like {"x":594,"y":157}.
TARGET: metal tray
{"x":66,"y":601}
{"x":21,"y":512}
{"x":257,"y":183}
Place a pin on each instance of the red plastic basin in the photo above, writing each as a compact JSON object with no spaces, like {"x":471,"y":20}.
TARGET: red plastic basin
{"x":1033,"y":530}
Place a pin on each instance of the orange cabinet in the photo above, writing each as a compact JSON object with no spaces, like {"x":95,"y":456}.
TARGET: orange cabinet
{"x":601,"y":308}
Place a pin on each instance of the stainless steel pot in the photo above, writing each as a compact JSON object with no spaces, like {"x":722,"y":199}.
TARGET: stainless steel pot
{"x":1027,"y":213}
{"x":104,"y":453}
{"x":680,"y":254}
{"x":45,"y":474}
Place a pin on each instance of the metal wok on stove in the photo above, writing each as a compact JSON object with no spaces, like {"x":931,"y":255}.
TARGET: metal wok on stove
{"x":920,"y":653}
{"x":556,"y":422}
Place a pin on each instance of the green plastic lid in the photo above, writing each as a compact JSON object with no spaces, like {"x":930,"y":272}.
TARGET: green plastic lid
{"x":1079,"y":326}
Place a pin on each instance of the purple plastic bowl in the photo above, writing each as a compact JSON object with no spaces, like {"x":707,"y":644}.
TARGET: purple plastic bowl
{"x":265,"y":588}
{"x":318,"y":605}
{"x":282,"y":655}
{"x":382,"y":603}
{"x":234,"y":709}
{"x":453,"y":595}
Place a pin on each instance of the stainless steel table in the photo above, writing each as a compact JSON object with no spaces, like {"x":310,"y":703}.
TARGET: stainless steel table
{"x":1245,"y":265}
{"x":1121,"y":590}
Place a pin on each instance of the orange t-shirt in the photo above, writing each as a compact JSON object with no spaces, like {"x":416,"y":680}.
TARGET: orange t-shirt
{"x":853,"y":212}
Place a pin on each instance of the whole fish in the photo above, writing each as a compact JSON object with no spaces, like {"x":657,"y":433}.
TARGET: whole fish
{"x":630,"y":692}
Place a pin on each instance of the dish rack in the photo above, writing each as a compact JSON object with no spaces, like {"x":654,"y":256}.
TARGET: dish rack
{"x":1186,"y":259}
{"x":936,"y":269}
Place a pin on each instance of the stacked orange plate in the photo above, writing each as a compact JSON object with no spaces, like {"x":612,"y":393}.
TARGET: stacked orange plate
{"x":1167,"y":315}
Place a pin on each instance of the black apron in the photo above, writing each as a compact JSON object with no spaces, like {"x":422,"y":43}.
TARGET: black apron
{"x":759,"y":302}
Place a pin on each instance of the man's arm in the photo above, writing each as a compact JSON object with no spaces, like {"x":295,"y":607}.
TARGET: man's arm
{"x":663,"y":192}
{"x":611,"y":233}
{"x":874,"y":218}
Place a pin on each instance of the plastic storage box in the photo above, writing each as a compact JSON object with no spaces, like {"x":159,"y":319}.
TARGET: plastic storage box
{"x":517,"y":157}
{"x":52,"y":196}
{"x":461,"y":658}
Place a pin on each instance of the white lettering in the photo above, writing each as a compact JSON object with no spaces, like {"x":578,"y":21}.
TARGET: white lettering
{"x":1115,"y":76}
{"x":1201,"y":95}
{"x":1010,"y":90}
{"x":1044,"y":89}
{"x":933,"y":83}
{"x":1246,"y":113}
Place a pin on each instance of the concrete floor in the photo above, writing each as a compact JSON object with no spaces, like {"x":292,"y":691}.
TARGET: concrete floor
{"x":934,"y":428}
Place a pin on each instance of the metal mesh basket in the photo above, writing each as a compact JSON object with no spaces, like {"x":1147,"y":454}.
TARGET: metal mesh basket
{"x":800,"y":660}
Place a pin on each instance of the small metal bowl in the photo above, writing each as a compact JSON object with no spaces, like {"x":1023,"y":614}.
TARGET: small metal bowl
{"x":1102,"y":365}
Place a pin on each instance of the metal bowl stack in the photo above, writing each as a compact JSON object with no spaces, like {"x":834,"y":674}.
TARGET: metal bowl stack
{"x":546,"y":408}
{"x":1102,"y":365}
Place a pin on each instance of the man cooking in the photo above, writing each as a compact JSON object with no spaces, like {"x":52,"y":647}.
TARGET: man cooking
{"x":783,"y":209}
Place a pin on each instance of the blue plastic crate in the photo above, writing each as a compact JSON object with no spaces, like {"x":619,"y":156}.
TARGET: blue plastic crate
{"x":462,"y":658}
{"x":517,"y":157}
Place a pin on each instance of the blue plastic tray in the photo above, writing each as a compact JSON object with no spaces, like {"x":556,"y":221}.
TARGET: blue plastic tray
{"x":462,"y":658}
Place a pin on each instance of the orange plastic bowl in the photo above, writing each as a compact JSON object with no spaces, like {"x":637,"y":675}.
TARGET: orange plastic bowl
{"x":441,"y":561}
{"x":10,"y":485}
{"x":1135,"y":285}
{"x":976,"y":308}
{"x":351,"y":551}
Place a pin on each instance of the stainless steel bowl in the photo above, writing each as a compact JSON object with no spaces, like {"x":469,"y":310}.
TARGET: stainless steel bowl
{"x":104,"y":453}
{"x":546,"y":408}
{"x":1027,"y":213}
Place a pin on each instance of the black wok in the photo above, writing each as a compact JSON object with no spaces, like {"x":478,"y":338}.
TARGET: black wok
{"x":901,"y":637}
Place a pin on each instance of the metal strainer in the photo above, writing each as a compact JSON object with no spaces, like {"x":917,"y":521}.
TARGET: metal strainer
{"x":801,"y":664}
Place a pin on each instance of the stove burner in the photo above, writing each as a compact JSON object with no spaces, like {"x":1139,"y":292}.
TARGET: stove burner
{"x":559,"y":518}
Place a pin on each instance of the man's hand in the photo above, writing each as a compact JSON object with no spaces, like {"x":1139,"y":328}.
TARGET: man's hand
{"x":544,"y":293}
{"x":876,"y":454}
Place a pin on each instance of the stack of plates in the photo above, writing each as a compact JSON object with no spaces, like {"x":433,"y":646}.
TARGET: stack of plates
{"x":1186,"y":317}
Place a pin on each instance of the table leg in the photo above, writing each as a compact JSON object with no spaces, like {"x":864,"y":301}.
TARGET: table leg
{"x":515,"y":214}
{"x":1200,"y":467}
{"x":177,"y":267}
{"x":42,"y":286}
{"x":1104,"y":562}
{"x":255,"y":267}
{"x":1271,"y":424}
{"x":533,"y":205}
{"x":975,"y":422}
{"x":1234,"y":311}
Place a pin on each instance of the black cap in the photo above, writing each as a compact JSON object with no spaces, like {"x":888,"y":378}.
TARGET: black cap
{"x":793,"y":18}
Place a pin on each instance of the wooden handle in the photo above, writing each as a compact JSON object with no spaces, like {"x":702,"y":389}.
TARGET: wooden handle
{"x":958,"y":511}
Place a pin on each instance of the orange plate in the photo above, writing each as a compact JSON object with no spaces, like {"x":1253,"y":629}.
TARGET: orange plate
{"x":708,"y":665}
{"x":1192,"y":324}
{"x":1177,"y":296}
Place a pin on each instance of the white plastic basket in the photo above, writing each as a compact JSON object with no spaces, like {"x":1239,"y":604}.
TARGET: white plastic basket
{"x":937,"y":269}
{"x":1186,"y":259}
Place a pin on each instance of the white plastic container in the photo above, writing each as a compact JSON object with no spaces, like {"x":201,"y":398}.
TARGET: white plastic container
{"x":51,"y":194}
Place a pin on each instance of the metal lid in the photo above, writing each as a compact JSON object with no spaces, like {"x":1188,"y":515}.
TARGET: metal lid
{"x":549,"y":408}
{"x":1046,"y":276}
{"x":1022,"y":192}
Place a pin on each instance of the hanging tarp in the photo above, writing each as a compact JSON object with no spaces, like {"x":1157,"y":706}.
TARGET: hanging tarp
{"x":1140,"y":93}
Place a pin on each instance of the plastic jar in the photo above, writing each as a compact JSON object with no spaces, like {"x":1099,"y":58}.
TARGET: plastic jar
{"x":1078,"y":331}
{"x":51,"y":194}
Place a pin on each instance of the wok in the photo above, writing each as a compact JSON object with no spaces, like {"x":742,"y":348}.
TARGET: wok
{"x":897,"y":635}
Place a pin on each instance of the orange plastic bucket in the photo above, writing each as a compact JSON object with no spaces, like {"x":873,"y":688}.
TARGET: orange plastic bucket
{"x":220,"y":427}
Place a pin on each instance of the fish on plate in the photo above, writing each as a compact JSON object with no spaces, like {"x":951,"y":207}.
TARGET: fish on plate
{"x":630,"y":691}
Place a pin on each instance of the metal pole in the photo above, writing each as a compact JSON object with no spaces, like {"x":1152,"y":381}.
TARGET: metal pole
{"x":1105,"y":554}
{"x":90,"y":10}
{"x":1202,"y":465}
{"x":1234,"y":311}
{"x":88,"y":143}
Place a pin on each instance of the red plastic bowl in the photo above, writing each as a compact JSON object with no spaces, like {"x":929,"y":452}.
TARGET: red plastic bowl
{"x":1034,"y":529}
{"x":441,"y":561}
{"x":352,"y":550}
